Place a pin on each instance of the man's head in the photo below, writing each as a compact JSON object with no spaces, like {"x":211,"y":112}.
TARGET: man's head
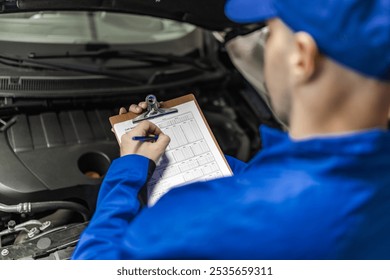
{"x":321,"y":54}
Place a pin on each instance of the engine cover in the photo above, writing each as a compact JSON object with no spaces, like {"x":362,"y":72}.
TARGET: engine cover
{"x":56,"y":156}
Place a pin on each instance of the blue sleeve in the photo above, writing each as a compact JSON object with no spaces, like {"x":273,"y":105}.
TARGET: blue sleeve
{"x":236,"y":165}
{"x":116,"y":207}
{"x":210,"y":220}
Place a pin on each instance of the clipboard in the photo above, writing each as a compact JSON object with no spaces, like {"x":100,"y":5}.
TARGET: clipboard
{"x":200,"y":149}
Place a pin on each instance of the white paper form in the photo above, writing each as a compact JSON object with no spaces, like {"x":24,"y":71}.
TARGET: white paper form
{"x":192,"y":154}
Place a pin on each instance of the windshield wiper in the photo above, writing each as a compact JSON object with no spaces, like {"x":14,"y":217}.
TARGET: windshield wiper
{"x":163,"y":59}
{"x":28,"y":62}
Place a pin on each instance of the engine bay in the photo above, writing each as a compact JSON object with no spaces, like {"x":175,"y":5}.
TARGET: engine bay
{"x":56,"y":97}
{"x":54,"y":161}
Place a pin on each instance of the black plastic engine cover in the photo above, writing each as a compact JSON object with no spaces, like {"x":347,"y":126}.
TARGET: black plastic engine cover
{"x":47,"y":156}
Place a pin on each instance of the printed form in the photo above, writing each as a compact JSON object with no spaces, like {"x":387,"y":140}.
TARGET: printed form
{"x":192,"y":154}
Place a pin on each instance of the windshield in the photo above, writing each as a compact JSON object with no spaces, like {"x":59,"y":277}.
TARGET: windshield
{"x":64,"y":52}
{"x":89,"y":27}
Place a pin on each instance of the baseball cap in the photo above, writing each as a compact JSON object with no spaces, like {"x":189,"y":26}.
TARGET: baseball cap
{"x":355,"y":33}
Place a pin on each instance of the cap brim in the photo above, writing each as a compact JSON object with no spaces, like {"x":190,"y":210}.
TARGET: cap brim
{"x":249,"y":11}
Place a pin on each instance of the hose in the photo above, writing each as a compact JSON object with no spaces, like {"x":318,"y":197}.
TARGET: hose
{"x":33,"y":207}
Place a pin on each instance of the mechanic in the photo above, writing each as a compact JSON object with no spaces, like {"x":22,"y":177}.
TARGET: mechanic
{"x":321,"y":191}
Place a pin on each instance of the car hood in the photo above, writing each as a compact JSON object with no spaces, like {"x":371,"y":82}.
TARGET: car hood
{"x":205,"y":13}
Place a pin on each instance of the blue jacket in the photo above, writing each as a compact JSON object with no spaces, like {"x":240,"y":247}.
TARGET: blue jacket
{"x":321,"y":198}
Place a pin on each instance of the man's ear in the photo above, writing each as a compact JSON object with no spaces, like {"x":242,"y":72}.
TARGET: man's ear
{"x":305,"y":58}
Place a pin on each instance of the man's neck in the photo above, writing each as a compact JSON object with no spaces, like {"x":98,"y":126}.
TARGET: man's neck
{"x":328,"y":111}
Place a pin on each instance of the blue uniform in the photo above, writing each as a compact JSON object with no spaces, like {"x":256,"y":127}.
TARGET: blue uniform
{"x":320,"y":198}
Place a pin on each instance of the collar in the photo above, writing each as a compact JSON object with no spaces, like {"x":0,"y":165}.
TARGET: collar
{"x":361,"y":142}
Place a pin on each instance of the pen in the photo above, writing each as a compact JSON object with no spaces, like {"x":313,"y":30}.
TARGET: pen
{"x":145,"y":138}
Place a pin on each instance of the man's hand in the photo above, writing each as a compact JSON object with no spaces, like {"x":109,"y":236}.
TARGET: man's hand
{"x":151,"y":150}
{"x":134,"y":108}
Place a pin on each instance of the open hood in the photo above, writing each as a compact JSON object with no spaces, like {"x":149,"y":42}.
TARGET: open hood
{"x":205,"y":13}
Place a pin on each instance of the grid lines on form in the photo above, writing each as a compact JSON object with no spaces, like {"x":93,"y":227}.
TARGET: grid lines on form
{"x":182,"y":130}
{"x":187,"y":158}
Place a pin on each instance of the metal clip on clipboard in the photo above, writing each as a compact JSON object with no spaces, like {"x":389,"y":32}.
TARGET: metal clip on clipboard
{"x":153,"y":111}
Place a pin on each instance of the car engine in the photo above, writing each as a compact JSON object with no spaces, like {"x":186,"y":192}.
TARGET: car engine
{"x":54,"y":160}
{"x":56,"y":143}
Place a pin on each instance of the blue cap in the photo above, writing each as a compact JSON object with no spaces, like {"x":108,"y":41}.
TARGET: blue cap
{"x":355,"y":33}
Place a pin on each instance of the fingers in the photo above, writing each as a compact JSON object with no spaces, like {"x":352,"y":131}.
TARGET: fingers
{"x":146,"y":128}
{"x":150,"y":149}
{"x":163,"y":140}
{"x":122,"y":111}
{"x":136,"y":108}
{"x":143,"y":105}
